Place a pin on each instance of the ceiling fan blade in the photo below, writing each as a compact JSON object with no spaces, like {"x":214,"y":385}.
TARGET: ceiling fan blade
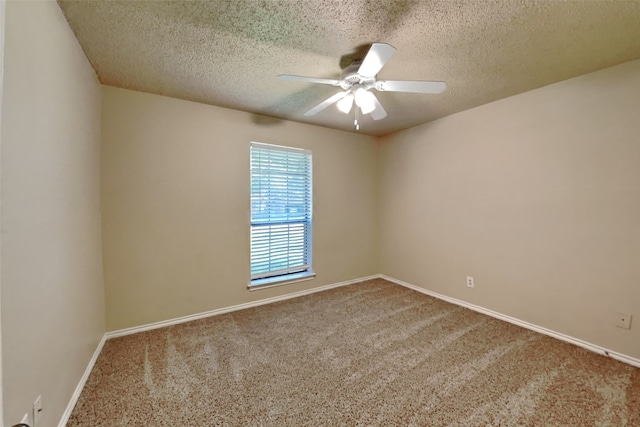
{"x":415,"y":86}
{"x":309,"y":79}
{"x":378,"y":112}
{"x":377,"y":56}
{"x":335,"y":98}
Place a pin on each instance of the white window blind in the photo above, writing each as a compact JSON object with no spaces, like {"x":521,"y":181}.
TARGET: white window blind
{"x":280,"y":210}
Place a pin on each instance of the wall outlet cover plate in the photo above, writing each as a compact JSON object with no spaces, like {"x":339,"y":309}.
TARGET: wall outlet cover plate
{"x":623,"y":320}
{"x":470,"y":283}
{"x":37,"y":411}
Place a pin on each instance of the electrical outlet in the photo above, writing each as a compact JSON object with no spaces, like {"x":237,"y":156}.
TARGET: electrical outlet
{"x":623,"y":320}
{"x":37,"y":411}
{"x":470,"y":282}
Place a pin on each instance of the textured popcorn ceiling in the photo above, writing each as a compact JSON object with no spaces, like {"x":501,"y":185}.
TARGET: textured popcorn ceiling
{"x":228,"y":53}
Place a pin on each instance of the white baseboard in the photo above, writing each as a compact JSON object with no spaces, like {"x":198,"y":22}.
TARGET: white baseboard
{"x":189,"y":318}
{"x":81,"y":383}
{"x":563,"y":337}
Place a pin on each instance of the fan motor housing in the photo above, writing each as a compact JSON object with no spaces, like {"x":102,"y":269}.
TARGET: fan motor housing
{"x":350,"y":76}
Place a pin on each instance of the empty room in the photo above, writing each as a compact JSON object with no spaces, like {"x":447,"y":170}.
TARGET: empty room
{"x":319,"y":213}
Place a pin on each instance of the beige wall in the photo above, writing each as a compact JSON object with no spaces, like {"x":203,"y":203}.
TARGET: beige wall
{"x":52,"y":286}
{"x":2,"y":26}
{"x":537,"y":196}
{"x":175,"y":192}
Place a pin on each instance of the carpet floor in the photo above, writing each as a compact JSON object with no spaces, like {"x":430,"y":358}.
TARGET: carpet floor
{"x":368,"y":354}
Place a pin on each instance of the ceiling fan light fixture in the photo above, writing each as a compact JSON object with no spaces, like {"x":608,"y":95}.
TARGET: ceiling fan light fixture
{"x":367,"y":108}
{"x":345,"y":104}
{"x":357,"y":81}
{"x":365,"y":100}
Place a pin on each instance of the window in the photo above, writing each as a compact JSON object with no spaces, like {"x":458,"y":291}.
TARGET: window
{"x":280,"y":214}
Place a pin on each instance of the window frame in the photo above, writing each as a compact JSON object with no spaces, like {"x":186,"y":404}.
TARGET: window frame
{"x":272,"y":278}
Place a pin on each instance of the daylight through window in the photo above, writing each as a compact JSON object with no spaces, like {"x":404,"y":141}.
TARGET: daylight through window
{"x":280,"y":213}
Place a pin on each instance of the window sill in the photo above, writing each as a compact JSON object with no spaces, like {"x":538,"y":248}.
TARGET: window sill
{"x":270,"y":282}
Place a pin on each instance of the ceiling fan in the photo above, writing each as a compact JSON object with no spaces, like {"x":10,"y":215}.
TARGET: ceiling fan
{"x":359,"y":78}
